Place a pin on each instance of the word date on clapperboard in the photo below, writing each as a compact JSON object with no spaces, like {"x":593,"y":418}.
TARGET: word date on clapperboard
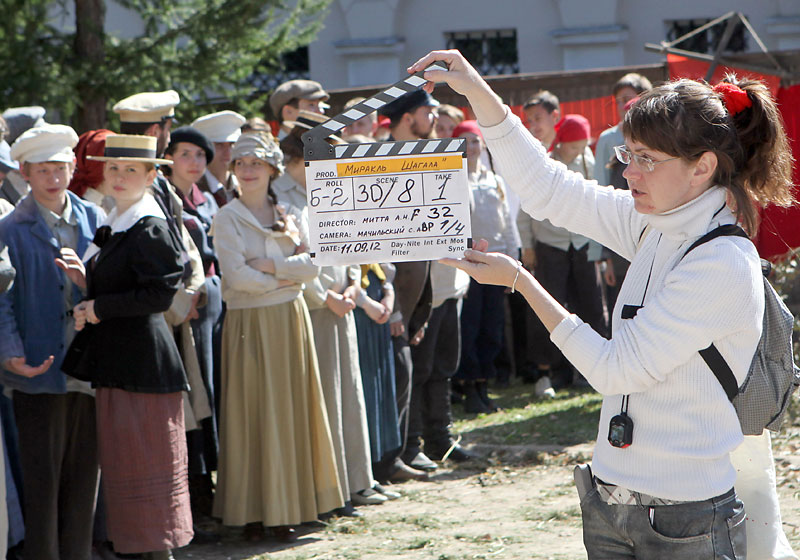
{"x":388,"y":201}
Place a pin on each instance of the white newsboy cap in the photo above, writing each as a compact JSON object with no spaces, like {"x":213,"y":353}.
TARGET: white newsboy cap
{"x":49,"y":142}
{"x":224,"y":126}
{"x":147,"y":107}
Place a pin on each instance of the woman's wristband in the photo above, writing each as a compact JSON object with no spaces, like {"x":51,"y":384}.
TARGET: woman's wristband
{"x":516,"y":277}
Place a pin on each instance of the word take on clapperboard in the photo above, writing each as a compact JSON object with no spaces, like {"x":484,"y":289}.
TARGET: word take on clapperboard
{"x":385,"y":201}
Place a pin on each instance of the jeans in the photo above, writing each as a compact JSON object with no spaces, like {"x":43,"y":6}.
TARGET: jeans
{"x":713,"y":528}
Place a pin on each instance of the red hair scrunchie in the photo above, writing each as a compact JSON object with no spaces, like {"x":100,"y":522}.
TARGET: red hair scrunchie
{"x":734,"y":98}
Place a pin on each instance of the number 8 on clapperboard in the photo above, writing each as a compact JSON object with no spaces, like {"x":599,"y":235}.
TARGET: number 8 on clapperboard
{"x":385,"y":201}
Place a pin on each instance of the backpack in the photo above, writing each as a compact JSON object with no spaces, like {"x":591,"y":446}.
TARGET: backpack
{"x":762,"y":399}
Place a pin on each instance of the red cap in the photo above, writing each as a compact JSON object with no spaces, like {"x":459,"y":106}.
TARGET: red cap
{"x":384,"y":122}
{"x":572,"y":128}
{"x":88,"y":173}
{"x":467,"y":126}
{"x":630,"y":103}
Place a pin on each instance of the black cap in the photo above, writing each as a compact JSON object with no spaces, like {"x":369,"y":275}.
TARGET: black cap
{"x":407,"y":103}
{"x":192,"y":136}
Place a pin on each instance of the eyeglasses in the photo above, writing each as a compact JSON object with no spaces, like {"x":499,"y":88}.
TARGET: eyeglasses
{"x":624,"y":155}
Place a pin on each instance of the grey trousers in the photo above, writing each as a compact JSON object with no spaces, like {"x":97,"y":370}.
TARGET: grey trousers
{"x":58,"y":452}
{"x":704,"y":530}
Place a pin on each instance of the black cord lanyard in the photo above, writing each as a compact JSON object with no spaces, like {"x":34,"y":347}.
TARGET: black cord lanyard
{"x":629,"y":312}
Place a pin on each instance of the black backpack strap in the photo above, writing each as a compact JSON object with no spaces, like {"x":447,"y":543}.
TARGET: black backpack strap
{"x":711,"y":355}
{"x":721,"y":370}
{"x":728,"y":229}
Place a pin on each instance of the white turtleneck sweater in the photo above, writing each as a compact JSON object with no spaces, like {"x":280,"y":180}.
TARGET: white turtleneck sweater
{"x":684,"y":425}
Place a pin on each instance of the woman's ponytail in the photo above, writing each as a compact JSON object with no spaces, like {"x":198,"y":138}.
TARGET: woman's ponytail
{"x":763,"y":174}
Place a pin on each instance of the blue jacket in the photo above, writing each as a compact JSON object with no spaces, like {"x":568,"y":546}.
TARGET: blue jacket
{"x":32,"y":311}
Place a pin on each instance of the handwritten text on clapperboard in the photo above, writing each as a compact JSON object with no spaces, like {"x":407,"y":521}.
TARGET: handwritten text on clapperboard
{"x":402,"y":208}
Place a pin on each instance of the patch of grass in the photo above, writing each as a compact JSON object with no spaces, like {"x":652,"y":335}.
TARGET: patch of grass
{"x":420,"y":521}
{"x":544,"y":516}
{"x":349,"y":525}
{"x":569,"y":419}
{"x":558,"y":490}
{"x":417,"y":544}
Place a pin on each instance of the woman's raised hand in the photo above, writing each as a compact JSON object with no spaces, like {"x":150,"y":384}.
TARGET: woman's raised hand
{"x":464,"y":79}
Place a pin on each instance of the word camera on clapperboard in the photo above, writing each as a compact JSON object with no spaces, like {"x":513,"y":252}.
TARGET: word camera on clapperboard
{"x":385,"y":201}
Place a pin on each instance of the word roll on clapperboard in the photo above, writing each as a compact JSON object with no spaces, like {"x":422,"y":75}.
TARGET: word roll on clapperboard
{"x":385,"y":201}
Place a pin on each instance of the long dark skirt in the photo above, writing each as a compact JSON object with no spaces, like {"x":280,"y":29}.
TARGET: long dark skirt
{"x":377,"y":374}
{"x":142,"y":449}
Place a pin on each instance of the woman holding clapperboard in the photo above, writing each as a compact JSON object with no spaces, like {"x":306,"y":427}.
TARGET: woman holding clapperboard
{"x":697,"y":157}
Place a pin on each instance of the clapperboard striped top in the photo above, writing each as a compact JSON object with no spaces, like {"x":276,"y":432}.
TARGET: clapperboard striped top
{"x":381,"y":149}
{"x":337,"y":123}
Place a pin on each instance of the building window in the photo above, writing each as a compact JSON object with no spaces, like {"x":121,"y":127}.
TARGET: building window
{"x":491,"y":52}
{"x":708,"y":40}
{"x":293,"y":65}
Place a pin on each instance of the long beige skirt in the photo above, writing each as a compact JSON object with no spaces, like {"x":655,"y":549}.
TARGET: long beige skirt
{"x":277,"y":464}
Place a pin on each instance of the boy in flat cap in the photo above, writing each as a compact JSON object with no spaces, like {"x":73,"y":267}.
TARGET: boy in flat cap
{"x":296,"y":95}
{"x":222,"y":129}
{"x":55,"y":413}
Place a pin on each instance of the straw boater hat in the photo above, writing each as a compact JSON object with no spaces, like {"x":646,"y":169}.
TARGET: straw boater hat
{"x":127,"y":147}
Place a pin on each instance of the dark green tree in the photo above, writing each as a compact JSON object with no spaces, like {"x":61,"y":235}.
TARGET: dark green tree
{"x":204,"y":49}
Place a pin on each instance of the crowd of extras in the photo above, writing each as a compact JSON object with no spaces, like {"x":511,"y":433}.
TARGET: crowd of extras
{"x":175,"y":366}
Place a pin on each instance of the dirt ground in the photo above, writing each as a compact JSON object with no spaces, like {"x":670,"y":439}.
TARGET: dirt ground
{"x":517,"y":502}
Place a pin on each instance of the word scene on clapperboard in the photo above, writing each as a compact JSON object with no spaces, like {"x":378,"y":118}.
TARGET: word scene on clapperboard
{"x":385,"y":201}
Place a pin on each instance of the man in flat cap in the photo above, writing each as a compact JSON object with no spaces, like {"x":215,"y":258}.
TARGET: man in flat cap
{"x":54,"y":413}
{"x":223,"y":129}
{"x":293,"y":96}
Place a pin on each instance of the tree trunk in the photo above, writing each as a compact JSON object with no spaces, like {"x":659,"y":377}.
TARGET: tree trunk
{"x":90,"y":18}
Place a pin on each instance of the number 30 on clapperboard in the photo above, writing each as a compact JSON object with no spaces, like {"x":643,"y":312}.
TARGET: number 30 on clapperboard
{"x":385,"y":201}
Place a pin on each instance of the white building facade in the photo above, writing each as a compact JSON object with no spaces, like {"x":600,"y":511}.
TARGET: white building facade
{"x":369,"y":42}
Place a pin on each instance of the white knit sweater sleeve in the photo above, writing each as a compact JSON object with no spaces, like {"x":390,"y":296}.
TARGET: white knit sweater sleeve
{"x":547,"y":189}
{"x":713,"y":293}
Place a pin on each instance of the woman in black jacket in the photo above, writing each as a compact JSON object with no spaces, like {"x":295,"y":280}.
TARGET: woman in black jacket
{"x":128,"y":352}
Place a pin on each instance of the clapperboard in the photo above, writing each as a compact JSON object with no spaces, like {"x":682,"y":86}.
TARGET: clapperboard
{"x":385,"y":201}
